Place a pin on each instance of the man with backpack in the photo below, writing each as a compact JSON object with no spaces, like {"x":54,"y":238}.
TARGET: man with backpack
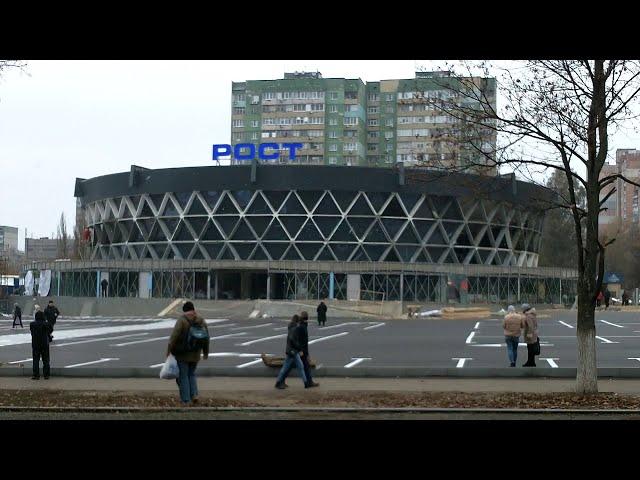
{"x":189,"y":339}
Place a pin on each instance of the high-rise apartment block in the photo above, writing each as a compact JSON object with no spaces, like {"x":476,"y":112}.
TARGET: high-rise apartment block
{"x":347,"y":122}
{"x":8,"y":238}
{"x":621,"y":207}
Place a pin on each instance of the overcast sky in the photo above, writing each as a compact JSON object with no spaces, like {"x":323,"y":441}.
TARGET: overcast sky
{"x":69,"y":119}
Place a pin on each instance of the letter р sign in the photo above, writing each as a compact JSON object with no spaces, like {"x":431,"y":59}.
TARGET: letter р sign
{"x":265,"y":151}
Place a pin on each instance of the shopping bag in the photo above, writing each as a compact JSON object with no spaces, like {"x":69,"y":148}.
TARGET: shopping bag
{"x":170,"y":368}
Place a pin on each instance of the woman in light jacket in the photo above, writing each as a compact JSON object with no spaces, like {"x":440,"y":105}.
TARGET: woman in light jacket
{"x":530,"y":334}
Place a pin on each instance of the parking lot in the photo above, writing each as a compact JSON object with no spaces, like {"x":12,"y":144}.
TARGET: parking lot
{"x":141,"y":342}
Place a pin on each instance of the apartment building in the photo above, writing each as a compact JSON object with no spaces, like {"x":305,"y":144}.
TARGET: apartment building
{"x":8,"y":238}
{"x":622,"y":210}
{"x":347,"y":122}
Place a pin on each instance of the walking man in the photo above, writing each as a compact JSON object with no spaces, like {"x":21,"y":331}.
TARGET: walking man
{"x":17,"y":314}
{"x":304,"y":345}
{"x":51,"y":314}
{"x":512,"y":325}
{"x":293,"y":355}
{"x":189,"y":339}
{"x":607,"y":298}
{"x":322,"y":314}
{"x":40,"y":335}
{"x":104,"y":284}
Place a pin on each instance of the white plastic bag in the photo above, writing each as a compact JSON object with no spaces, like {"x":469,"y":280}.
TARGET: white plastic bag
{"x":170,"y":369}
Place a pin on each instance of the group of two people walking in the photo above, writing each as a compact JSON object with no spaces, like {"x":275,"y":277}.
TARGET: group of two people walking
{"x":516,"y":324}
{"x":297,"y":352}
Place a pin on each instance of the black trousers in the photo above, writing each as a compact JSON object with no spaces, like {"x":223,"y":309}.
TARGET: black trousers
{"x":531,"y":357}
{"x":44,"y":353}
{"x":307,"y":368}
{"x":19,"y":318}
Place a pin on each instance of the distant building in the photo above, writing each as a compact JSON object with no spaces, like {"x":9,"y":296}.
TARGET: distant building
{"x":622,"y":211}
{"x":42,"y":249}
{"x":342,"y":121}
{"x":8,"y":238}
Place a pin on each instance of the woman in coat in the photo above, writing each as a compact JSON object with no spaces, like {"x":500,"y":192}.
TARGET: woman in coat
{"x":530,"y":334}
{"x":322,"y":314}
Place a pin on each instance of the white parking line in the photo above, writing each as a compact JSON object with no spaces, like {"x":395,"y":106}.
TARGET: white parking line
{"x":470,"y":337}
{"x":375,"y":326}
{"x":253,"y":362}
{"x":156,"y":365}
{"x":566,"y":324}
{"x":233,"y":354}
{"x":340,"y":325}
{"x":461,"y":361}
{"x":604,"y":340}
{"x":551,"y":361}
{"x":322,"y":339}
{"x":102,"y":360}
{"x":496,"y":345}
{"x":254,"y":326}
{"x":634,"y":358}
{"x":139,"y":341}
{"x":609,"y":323}
{"x":225,"y":325}
{"x":228,"y":335}
{"x":356,"y":361}
{"x":21,"y":361}
{"x":251,"y":342}
{"x":97,"y":340}
{"x":476,"y":326}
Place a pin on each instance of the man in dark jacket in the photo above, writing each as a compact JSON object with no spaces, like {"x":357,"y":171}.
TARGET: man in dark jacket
{"x":607,"y":298}
{"x":17,"y":313}
{"x":51,"y":314}
{"x":303,"y":335}
{"x":293,"y":355}
{"x":322,"y":314}
{"x":40,"y":334}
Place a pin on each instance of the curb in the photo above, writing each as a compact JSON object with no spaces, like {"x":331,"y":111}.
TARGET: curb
{"x":329,"y":372}
{"x":533,"y":411}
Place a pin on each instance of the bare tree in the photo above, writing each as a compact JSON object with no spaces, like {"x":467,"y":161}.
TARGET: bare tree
{"x":63,"y":238}
{"x":553,"y":115}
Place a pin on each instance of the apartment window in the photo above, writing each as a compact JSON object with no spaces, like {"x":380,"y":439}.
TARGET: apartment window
{"x":350,"y":120}
{"x":333,"y":160}
{"x":350,"y":133}
{"x":389,"y":147}
{"x":333,"y":108}
{"x":268,"y":121}
{"x":333,"y":121}
{"x":372,"y":122}
{"x":315,"y":133}
{"x":255,"y":99}
{"x":373,"y":97}
{"x":317,"y":120}
{"x":405,"y":133}
{"x":254,"y":136}
{"x":237,"y":123}
{"x":389,"y":97}
{"x":333,"y":95}
{"x":238,"y":137}
{"x":268,"y":95}
{"x":238,"y":110}
{"x":268,"y":134}
{"x":333,"y":134}
{"x":372,"y":147}
{"x":333,"y":147}
{"x":286,"y":95}
{"x":300,"y":107}
{"x":389,"y":122}
{"x":388,"y":135}
{"x":238,"y":97}
{"x":255,"y":123}
{"x":389,"y":109}
{"x":351,"y":108}
{"x":317,"y":107}
{"x":373,"y":134}
{"x":350,"y":147}
{"x":372,"y":110}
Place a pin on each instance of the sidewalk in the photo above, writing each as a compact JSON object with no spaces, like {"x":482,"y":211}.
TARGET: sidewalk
{"x":213,"y":385}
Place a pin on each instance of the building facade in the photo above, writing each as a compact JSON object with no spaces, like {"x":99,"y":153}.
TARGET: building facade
{"x":303,"y":232}
{"x":622,"y":210}
{"x":8,"y":239}
{"x":39,"y":249}
{"x":348,"y":122}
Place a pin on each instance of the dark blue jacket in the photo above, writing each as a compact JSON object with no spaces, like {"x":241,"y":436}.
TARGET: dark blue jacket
{"x":40,"y":331}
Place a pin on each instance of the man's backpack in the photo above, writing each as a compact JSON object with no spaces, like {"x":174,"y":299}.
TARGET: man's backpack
{"x":196,"y":338}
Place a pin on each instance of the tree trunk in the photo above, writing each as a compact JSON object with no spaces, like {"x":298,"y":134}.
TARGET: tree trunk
{"x":587,"y":373}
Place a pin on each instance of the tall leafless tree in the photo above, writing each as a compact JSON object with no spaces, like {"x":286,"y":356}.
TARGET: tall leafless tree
{"x":550,"y":115}
{"x":63,"y":238}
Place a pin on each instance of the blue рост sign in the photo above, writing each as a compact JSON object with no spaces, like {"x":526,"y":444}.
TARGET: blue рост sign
{"x":224,"y":150}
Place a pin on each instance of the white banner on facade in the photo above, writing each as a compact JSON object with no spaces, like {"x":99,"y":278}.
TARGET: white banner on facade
{"x":45,"y":283}
{"x":28,"y":283}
